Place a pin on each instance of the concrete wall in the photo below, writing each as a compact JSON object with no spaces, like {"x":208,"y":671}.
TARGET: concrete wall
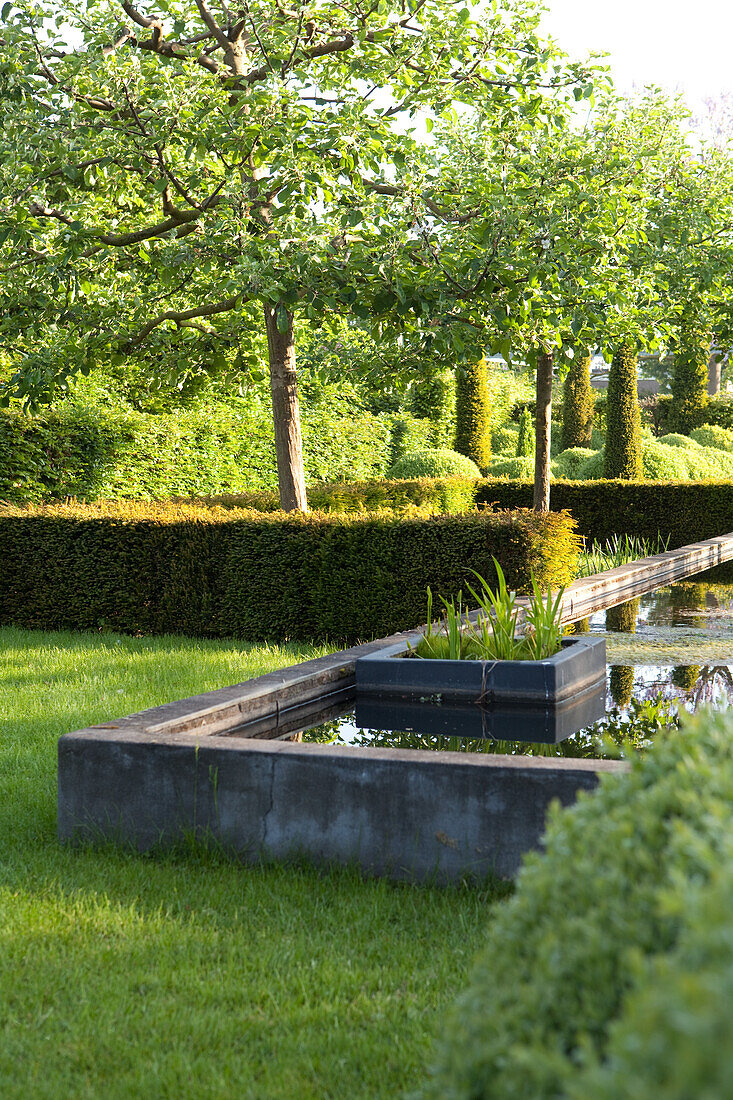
{"x":407,"y":814}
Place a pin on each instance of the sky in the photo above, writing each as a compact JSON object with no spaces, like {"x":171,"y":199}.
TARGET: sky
{"x":677,"y":44}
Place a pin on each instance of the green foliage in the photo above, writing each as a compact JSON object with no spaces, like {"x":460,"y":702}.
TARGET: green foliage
{"x":434,"y":463}
{"x":504,"y":440}
{"x":619,"y":550}
{"x":674,"y":439}
{"x":430,"y":496}
{"x":433,"y":398}
{"x":213,"y":572}
{"x":511,"y":467}
{"x":661,"y":463}
{"x":508,"y":391}
{"x":622,"y":455}
{"x":408,"y":434}
{"x":564,"y":1001}
{"x":572,"y":462}
{"x":684,"y":512}
{"x":93,"y":451}
{"x":526,"y":436}
{"x":689,"y":376}
{"x":710,"y":435}
{"x":473,"y":413}
{"x":578,"y":404}
{"x":592,"y":468}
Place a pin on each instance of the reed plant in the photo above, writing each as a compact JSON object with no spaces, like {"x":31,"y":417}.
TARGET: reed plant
{"x":619,"y":550}
{"x":496,"y":634}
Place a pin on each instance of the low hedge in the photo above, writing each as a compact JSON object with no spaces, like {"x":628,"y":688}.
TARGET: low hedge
{"x":600,"y":976}
{"x":431,"y":496}
{"x":218,"y":573}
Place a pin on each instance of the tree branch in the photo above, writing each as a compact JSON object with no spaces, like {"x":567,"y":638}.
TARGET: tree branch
{"x":180,"y":317}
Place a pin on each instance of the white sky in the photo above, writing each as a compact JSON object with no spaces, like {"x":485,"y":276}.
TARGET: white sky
{"x":677,"y":44}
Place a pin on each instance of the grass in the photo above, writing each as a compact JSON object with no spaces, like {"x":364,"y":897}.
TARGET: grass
{"x":187,"y":974}
{"x":619,"y":550}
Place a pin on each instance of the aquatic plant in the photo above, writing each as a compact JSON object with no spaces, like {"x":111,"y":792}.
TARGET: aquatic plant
{"x":619,"y":550}
{"x":496,"y":634}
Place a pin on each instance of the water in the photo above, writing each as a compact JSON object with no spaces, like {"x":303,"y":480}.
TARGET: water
{"x":673,"y":653}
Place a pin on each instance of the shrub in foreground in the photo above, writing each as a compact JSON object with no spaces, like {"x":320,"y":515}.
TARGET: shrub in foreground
{"x":606,"y":904}
{"x":226,"y":573}
{"x":434,"y":463}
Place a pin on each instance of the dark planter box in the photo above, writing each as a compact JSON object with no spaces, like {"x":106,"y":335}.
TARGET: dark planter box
{"x":577,"y":668}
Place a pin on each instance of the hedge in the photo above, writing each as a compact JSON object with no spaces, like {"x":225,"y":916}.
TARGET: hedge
{"x":218,"y":573}
{"x":564,"y":1001}
{"x":437,"y":462}
{"x":684,"y":511}
{"x":94,"y":452}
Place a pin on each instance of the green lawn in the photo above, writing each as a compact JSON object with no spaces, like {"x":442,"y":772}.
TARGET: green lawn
{"x":190,"y":975}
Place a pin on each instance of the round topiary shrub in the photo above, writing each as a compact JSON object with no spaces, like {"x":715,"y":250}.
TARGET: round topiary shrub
{"x":710,"y":435}
{"x":569,"y":463}
{"x":674,"y":439}
{"x":438,"y":463}
{"x":592,"y":468}
{"x":708,"y":464}
{"x":578,"y":404}
{"x":663,"y":463}
{"x":516,"y":469}
{"x":607,"y":901}
{"x":473,"y":413}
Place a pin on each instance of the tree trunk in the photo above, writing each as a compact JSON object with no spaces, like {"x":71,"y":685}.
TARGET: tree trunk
{"x":285,"y":410}
{"x":713,"y":375}
{"x":542,"y":423}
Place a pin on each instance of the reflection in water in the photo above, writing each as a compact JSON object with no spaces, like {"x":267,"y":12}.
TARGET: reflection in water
{"x":621,"y":684}
{"x":621,"y":619}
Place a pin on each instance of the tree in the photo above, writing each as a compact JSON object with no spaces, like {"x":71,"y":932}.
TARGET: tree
{"x":175,"y":171}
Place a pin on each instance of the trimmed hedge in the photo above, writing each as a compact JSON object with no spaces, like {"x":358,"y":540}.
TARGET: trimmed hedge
{"x":93,"y":452}
{"x":578,"y":404}
{"x":217,"y":573}
{"x":431,"y":496}
{"x":689,"y":377}
{"x":565,"y":1002}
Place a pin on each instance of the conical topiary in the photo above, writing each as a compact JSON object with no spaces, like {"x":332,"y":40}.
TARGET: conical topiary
{"x":525,"y":439}
{"x":689,"y":378}
{"x":578,"y":404}
{"x":473,"y":413}
{"x":622,"y":456}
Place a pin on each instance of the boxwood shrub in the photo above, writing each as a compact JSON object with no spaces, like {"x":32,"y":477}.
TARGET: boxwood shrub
{"x":616,"y":899}
{"x":253,"y":575}
{"x":440,"y":462}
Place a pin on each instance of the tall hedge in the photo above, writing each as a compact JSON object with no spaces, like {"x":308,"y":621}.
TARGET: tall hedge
{"x":565,"y":1003}
{"x":622,"y":457}
{"x":93,"y":452}
{"x":218,"y":573}
{"x":525,"y":437}
{"x":578,"y":403}
{"x":434,"y":399}
{"x":689,"y":377}
{"x":473,"y":413}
